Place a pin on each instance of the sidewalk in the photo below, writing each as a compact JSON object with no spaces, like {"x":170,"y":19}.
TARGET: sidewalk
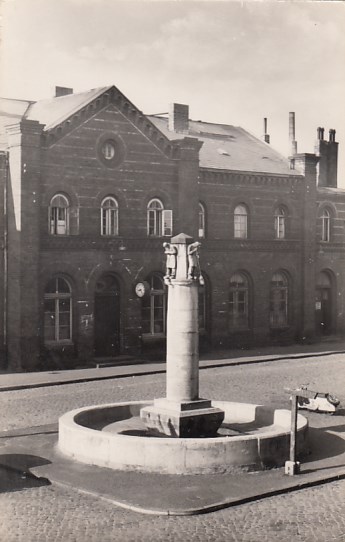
{"x":17,"y":381}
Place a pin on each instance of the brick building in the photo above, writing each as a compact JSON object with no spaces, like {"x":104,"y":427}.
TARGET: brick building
{"x":91,"y":188}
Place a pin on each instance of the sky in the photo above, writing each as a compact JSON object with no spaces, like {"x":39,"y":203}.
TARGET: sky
{"x":233,"y":62}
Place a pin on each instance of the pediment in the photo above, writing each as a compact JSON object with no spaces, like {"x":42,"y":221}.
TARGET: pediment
{"x":110,"y":95}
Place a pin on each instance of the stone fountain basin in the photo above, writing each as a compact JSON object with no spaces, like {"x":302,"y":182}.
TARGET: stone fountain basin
{"x":252,"y":437}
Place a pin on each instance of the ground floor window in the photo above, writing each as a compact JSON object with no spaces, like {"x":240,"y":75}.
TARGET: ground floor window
{"x":154,"y":308}
{"x":279,"y":301}
{"x":238,"y":302}
{"x":57,"y":311}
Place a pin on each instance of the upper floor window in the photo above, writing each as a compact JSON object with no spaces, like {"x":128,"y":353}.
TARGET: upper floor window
{"x":109,"y":217}
{"x":239,"y":302}
{"x":202,"y":221}
{"x":279,"y":300}
{"x":280,"y":223}
{"x":159,"y":220}
{"x":59,"y":215}
{"x":325,"y":225}
{"x":57,"y":311}
{"x":240,"y":222}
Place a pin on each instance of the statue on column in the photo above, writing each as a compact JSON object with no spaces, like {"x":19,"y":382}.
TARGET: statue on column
{"x":194,"y":271}
{"x":171,"y":253}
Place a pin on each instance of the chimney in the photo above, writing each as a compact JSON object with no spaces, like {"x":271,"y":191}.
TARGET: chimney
{"x":62,"y":91}
{"x":179,"y":118}
{"x":293,"y":142}
{"x":327,"y":152}
{"x":266,"y":136}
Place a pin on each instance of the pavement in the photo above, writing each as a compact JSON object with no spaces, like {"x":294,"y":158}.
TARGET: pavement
{"x":30,"y":457}
{"x":220,"y":358}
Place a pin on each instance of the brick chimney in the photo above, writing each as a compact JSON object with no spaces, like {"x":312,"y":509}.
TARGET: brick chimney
{"x":62,"y":91}
{"x":266,"y":136}
{"x":292,"y":136}
{"x":327,"y":152}
{"x":179,"y":118}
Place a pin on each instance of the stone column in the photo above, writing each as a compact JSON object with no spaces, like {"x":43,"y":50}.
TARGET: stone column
{"x":182,"y":325}
{"x":182,"y":413}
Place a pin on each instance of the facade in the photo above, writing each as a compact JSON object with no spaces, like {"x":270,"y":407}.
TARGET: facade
{"x":91,"y":188}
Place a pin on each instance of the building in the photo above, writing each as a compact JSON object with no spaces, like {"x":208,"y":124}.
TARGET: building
{"x":92,"y":187}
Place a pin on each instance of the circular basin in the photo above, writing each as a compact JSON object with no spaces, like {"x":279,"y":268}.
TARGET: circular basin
{"x":252,"y":437}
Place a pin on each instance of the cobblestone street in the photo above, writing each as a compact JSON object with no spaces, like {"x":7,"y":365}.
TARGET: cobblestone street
{"x":57,"y":513}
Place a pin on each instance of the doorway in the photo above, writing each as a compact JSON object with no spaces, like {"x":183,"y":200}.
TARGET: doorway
{"x":107,"y":317}
{"x":324,"y":305}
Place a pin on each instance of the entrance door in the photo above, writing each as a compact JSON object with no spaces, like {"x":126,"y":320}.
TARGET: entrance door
{"x":107,"y":317}
{"x":324,"y":304}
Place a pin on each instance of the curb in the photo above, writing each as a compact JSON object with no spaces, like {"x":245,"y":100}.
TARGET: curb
{"x":207,"y":365}
{"x":227,"y":503}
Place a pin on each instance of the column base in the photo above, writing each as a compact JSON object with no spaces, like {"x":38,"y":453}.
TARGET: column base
{"x":189,"y":419}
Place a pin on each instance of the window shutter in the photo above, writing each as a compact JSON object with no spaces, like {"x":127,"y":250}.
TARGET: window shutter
{"x":167,"y":223}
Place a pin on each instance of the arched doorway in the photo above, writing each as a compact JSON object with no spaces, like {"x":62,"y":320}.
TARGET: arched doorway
{"x":324,"y":304}
{"x":107,"y":317}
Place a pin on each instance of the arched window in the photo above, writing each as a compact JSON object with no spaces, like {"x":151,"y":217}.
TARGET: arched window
{"x":59,"y":215}
{"x":240,"y":222}
{"x":159,"y":221}
{"x":57,"y":311}
{"x":280,"y":223}
{"x":279,"y":300}
{"x":238,"y":302}
{"x":154,"y":308}
{"x":326,"y":225}
{"x":202,"y":221}
{"x":154,"y":218}
{"x":109,"y":217}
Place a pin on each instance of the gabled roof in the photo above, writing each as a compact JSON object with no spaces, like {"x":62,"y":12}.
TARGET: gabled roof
{"x":53,"y":111}
{"x":225,"y":147}
{"x":228,"y":147}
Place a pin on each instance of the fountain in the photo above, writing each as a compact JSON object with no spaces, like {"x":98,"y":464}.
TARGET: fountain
{"x":180,"y":433}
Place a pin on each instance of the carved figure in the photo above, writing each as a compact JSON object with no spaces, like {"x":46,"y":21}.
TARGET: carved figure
{"x":171,"y":253}
{"x":194,"y":271}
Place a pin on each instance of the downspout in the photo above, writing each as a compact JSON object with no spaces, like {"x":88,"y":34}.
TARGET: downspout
{"x":5,"y":256}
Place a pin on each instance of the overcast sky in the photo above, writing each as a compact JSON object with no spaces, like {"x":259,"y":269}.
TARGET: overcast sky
{"x":232,"y":62}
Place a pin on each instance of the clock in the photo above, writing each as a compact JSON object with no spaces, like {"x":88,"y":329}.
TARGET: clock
{"x":142,"y":288}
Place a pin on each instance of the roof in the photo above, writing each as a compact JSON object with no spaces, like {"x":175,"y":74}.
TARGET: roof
{"x":227,"y":147}
{"x":53,"y":111}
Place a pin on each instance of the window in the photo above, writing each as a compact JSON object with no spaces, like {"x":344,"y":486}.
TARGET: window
{"x":326,"y":226}
{"x":109,"y":217}
{"x":159,"y":221}
{"x":108,"y":149}
{"x":202,"y":221}
{"x":280,"y":223}
{"x":240,"y":222}
{"x":59,"y":215}
{"x":238,"y":302}
{"x":279,"y":301}
{"x":57,"y":311}
{"x":154,"y":308}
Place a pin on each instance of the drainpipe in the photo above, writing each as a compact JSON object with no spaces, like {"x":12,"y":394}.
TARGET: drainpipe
{"x":5,"y":256}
